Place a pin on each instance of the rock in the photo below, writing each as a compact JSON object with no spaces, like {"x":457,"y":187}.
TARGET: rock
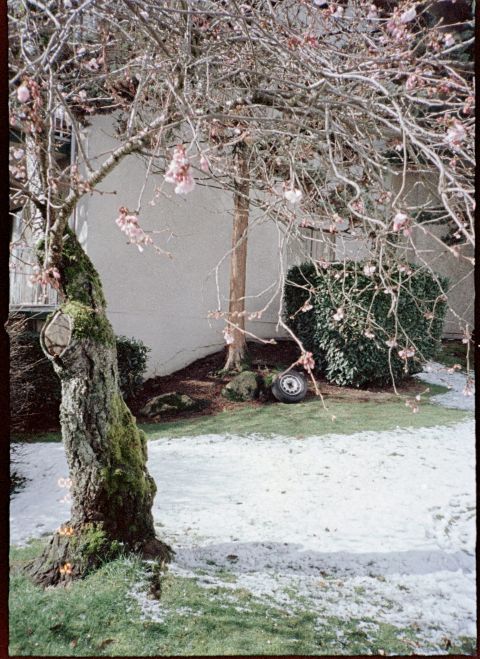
{"x":245,"y":386}
{"x":169,"y":403}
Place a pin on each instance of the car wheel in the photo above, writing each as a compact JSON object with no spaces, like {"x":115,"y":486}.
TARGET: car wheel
{"x":291,"y":387}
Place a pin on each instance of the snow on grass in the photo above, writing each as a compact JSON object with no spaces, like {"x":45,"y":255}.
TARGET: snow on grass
{"x":376,"y":525}
{"x":438,"y":374}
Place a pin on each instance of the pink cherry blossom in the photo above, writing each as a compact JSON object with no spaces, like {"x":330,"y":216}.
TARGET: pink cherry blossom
{"x":408,"y":15}
{"x":449,"y":40}
{"x":391,"y":343}
{"x":339,"y":314}
{"x":50,"y":276}
{"x":399,"y":221}
{"x":369,"y":334}
{"x":23,"y":94}
{"x":228,"y":336}
{"x":179,"y":171}
{"x":307,"y":306}
{"x":369,"y":269}
{"x":307,"y":361}
{"x":358,"y":205}
{"x":406,"y":353}
{"x":128,"y":224}
{"x":455,"y":134}
{"x":204,"y":166}
{"x":293,"y":195}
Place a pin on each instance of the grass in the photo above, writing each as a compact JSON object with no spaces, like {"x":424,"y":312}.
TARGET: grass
{"x":97,"y":617}
{"x":302,"y":419}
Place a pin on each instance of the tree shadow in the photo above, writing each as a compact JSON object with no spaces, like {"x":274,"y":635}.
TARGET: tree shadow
{"x":290,"y":558}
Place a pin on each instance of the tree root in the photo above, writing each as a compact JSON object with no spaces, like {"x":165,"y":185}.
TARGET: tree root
{"x":72,"y":553}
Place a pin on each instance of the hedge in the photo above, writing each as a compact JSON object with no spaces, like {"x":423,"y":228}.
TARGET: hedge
{"x":342,"y":351}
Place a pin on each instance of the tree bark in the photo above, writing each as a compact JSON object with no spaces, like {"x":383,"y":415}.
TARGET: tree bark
{"x":237,"y":350}
{"x":111,"y":489}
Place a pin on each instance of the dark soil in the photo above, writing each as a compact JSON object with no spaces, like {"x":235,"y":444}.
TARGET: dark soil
{"x":202,"y":381}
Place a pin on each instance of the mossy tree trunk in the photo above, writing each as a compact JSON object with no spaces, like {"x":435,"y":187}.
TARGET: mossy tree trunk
{"x":237,"y":349}
{"x":112,"y":492}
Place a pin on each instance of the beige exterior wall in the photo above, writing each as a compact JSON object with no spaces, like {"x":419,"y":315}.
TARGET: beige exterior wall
{"x":459,"y":270}
{"x":165,"y":302}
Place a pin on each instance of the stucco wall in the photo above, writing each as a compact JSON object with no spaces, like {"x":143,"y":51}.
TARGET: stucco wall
{"x":430,"y":250}
{"x":165,"y":302}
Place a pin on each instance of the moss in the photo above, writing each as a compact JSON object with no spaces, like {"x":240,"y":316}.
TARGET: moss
{"x":81,"y":280}
{"x":88,"y":323}
{"x":126,"y":473}
{"x":93,"y":546}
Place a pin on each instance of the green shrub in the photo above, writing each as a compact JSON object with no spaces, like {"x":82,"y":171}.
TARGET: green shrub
{"x":340,"y":347}
{"x":132,"y":364}
{"x":35,"y":390}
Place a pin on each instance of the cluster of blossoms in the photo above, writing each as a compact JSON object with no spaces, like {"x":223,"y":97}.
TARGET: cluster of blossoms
{"x":228,"y":336}
{"x":369,"y":270}
{"x":406,"y":353}
{"x":307,"y":361}
{"x":307,"y":306}
{"x":396,"y":26}
{"x":179,"y":171}
{"x":17,"y":167}
{"x":49,"y":276}
{"x":339,"y":314}
{"x":128,"y":224}
{"x":455,"y":135}
{"x":291,"y":194}
{"x":401,"y":221}
{"x":23,"y":94}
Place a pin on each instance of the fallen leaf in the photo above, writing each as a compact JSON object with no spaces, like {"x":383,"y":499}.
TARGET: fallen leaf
{"x":105,"y":642}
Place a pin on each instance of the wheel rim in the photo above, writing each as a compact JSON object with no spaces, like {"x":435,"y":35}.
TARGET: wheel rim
{"x":290,"y":385}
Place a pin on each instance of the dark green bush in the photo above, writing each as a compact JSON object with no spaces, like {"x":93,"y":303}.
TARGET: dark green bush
{"x":340,"y":348}
{"x":132,"y":364}
{"x":35,"y":391}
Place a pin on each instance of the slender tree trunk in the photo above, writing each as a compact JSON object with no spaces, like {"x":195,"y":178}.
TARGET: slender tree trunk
{"x":111,"y":489}
{"x":238,"y":263}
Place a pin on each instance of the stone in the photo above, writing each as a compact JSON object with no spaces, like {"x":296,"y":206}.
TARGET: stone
{"x":245,"y":386}
{"x":168,"y":404}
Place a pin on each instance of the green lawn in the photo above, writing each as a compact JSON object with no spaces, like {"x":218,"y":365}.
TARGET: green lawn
{"x":302,"y":419}
{"x":310,"y":418}
{"x":97,"y":617}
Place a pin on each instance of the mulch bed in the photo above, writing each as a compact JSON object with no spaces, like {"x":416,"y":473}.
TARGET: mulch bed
{"x":201,"y":381}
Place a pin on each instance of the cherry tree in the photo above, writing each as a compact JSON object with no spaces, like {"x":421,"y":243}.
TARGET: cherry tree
{"x":304,"y":111}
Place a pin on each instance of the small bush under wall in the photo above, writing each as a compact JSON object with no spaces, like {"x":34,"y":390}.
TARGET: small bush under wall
{"x":354,"y":318}
{"x":132,"y":364}
{"x":35,"y":390}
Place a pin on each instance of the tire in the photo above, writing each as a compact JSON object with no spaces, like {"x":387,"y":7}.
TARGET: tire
{"x":290,"y":387}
